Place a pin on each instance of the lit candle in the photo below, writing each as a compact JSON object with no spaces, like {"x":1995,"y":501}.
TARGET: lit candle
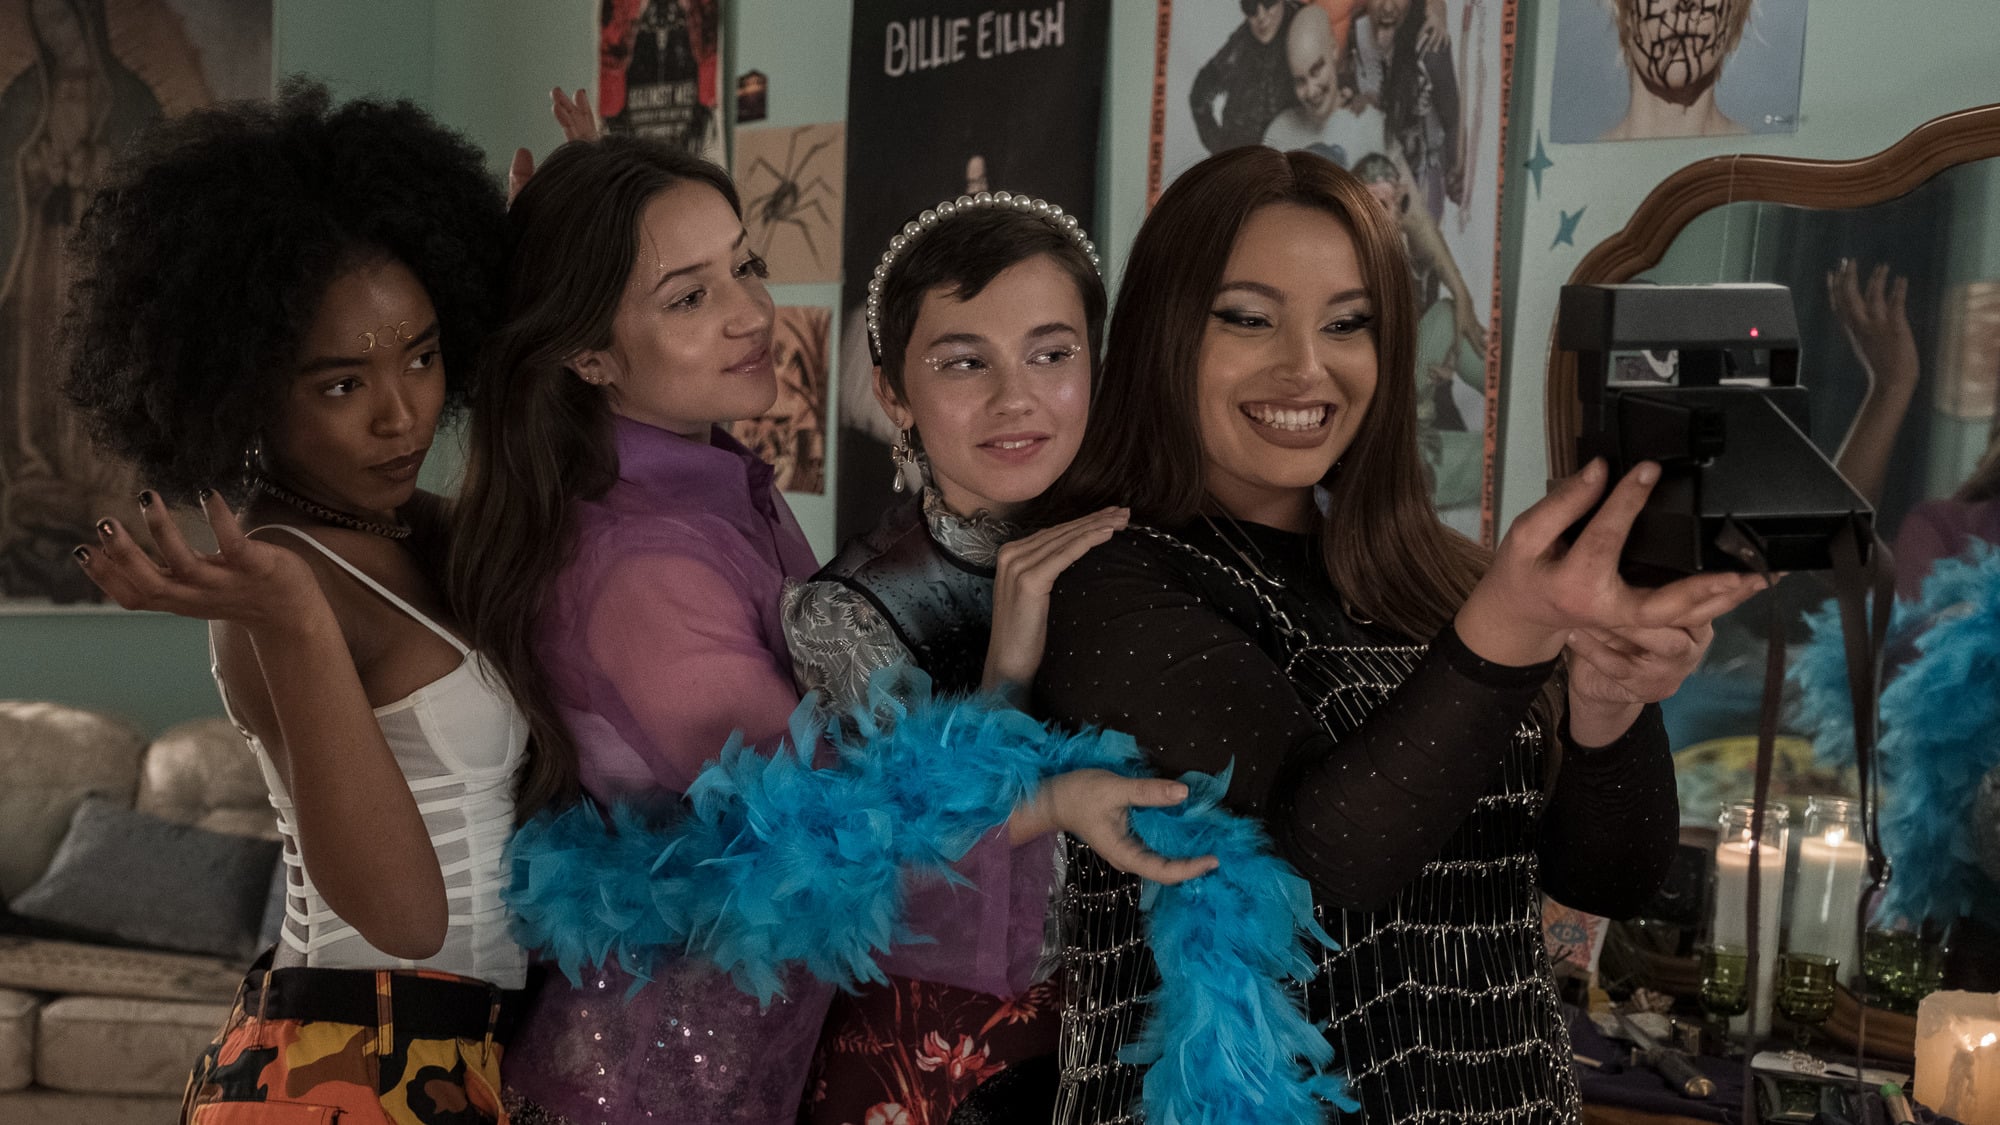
{"x":1732,"y":893}
{"x":1832,"y":869}
{"x":1958,"y":1055}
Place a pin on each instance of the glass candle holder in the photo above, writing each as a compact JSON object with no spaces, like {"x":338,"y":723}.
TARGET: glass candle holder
{"x":1832,"y":873}
{"x":1729,"y":904}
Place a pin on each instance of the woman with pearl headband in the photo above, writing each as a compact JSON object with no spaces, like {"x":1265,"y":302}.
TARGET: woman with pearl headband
{"x":984,"y":317}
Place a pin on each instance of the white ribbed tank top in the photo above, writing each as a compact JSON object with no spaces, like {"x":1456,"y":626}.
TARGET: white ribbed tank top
{"x":459,"y":741}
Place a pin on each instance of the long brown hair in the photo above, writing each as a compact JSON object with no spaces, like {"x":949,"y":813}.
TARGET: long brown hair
{"x":1381,"y":539}
{"x":541,"y":438}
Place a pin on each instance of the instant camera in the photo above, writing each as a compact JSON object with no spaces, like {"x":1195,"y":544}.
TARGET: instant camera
{"x":1704,"y":379}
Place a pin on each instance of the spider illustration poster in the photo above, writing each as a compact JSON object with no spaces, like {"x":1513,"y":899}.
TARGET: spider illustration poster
{"x":792,"y":434}
{"x":792,"y":183}
{"x":948,"y":98}
{"x":78,"y":78}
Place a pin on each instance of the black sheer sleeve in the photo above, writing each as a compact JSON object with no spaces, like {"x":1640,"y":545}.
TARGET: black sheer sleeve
{"x":1609,"y":829}
{"x":1138,"y":644}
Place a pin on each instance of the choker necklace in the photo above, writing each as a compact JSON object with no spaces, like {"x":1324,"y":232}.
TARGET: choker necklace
{"x":321,"y":512}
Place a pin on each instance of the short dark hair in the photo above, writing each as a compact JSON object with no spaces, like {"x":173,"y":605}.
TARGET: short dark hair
{"x":962,"y":254}
{"x":201,"y":261}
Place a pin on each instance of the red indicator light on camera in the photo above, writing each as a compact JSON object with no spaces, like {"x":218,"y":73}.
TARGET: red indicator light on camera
{"x":1753,"y":333}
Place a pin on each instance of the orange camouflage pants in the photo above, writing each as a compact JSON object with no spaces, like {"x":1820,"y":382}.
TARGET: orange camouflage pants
{"x":353,"y":1046}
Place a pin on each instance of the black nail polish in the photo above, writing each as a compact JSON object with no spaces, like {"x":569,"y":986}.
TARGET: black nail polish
{"x":106,"y":528}
{"x":82,"y":555}
{"x":203,"y":495}
{"x":146,"y":499}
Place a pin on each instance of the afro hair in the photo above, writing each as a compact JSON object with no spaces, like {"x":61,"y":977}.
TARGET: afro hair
{"x":201,"y":262}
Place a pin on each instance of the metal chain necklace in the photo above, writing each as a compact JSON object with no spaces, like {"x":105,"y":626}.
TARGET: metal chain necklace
{"x":278,"y":492}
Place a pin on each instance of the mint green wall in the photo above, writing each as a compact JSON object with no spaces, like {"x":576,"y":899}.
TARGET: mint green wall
{"x":485,"y":66}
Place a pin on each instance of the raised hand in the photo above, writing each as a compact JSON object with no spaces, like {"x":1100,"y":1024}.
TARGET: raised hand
{"x":248,"y":582}
{"x":1539,"y":591}
{"x":1095,"y":806}
{"x":1877,"y":321}
{"x":1024,"y":574}
{"x":578,"y":122}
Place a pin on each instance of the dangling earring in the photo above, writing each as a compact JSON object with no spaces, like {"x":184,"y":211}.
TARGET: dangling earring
{"x":253,"y":467}
{"x":909,"y":470}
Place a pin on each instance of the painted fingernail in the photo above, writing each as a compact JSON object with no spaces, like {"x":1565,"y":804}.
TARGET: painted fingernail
{"x":203,"y":495}
{"x":82,"y":556}
{"x":106,"y":528}
{"x":146,"y":499}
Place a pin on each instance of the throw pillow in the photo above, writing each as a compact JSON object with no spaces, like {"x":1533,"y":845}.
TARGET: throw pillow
{"x":131,"y":877}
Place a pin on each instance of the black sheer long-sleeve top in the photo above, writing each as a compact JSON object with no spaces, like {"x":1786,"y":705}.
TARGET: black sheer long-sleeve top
{"x":1407,"y":782}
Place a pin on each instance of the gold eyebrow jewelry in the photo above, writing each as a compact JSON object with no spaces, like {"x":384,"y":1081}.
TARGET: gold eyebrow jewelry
{"x":389,"y":335}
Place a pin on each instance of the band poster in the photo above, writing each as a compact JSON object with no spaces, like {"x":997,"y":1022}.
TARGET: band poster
{"x":951,"y":97}
{"x":77,"y":79}
{"x":1410,"y":96}
{"x":659,"y":72}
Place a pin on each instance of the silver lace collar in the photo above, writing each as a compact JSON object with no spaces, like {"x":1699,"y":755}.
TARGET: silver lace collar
{"x":975,"y":538}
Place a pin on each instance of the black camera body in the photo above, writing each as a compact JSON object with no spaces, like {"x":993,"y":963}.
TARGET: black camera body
{"x":1704,"y":379}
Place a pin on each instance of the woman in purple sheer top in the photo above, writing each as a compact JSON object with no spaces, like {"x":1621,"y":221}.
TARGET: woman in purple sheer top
{"x":621,"y":557}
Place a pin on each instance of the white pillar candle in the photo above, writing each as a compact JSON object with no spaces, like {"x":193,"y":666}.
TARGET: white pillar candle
{"x":1732,"y":891}
{"x":1832,"y":869}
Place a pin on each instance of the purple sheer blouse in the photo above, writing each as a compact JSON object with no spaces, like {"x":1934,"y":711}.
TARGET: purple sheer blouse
{"x":661,"y":637}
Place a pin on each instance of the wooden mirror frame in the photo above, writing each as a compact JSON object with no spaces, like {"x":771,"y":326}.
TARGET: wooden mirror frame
{"x":1930,"y":148}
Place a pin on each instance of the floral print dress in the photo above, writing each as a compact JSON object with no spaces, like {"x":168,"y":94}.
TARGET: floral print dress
{"x":912,"y":1052}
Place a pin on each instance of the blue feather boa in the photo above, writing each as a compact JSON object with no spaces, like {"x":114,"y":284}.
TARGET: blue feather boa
{"x":775,"y":863}
{"x":1939,"y":715}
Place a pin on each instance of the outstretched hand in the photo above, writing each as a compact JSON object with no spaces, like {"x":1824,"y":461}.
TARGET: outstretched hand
{"x":578,"y":122}
{"x":246,"y":581}
{"x":1095,"y":806}
{"x":1539,"y":591}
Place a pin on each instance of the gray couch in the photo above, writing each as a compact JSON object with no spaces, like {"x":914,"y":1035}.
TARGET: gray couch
{"x":93,"y":1033}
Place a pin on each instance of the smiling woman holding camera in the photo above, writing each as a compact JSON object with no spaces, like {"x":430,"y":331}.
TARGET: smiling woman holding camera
{"x":1432,"y":734}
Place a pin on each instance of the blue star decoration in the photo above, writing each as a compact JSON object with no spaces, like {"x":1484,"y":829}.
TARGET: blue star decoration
{"x":1566,"y":234}
{"x":1538,"y":164}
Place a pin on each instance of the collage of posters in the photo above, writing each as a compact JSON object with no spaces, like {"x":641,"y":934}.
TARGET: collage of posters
{"x":77,"y":79}
{"x":1409,"y":95}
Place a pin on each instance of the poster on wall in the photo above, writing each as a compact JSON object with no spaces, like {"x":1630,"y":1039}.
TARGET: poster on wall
{"x":952,"y":97}
{"x":791,"y":182}
{"x":659,"y":72}
{"x":1410,"y":96}
{"x":77,"y":79}
{"x":791,"y":436}
{"x":1631,"y":70}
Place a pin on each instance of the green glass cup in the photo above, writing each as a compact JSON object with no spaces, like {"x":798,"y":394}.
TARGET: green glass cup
{"x":1900,"y":969}
{"x":1725,"y":981}
{"x":1805,"y":989}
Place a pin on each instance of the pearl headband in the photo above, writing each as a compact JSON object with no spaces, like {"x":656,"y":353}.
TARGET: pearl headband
{"x":915,"y":228}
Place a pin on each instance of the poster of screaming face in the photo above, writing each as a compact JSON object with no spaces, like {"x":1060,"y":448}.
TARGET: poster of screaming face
{"x":78,"y":78}
{"x":1639,"y":69}
{"x":949,"y":98}
{"x":1410,"y":96}
{"x":659,"y":72}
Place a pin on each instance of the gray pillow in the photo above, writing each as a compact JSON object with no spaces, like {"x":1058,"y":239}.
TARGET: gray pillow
{"x":130,"y":877}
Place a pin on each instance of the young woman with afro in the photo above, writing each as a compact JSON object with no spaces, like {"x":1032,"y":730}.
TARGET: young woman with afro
{"x":273,"y":305}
